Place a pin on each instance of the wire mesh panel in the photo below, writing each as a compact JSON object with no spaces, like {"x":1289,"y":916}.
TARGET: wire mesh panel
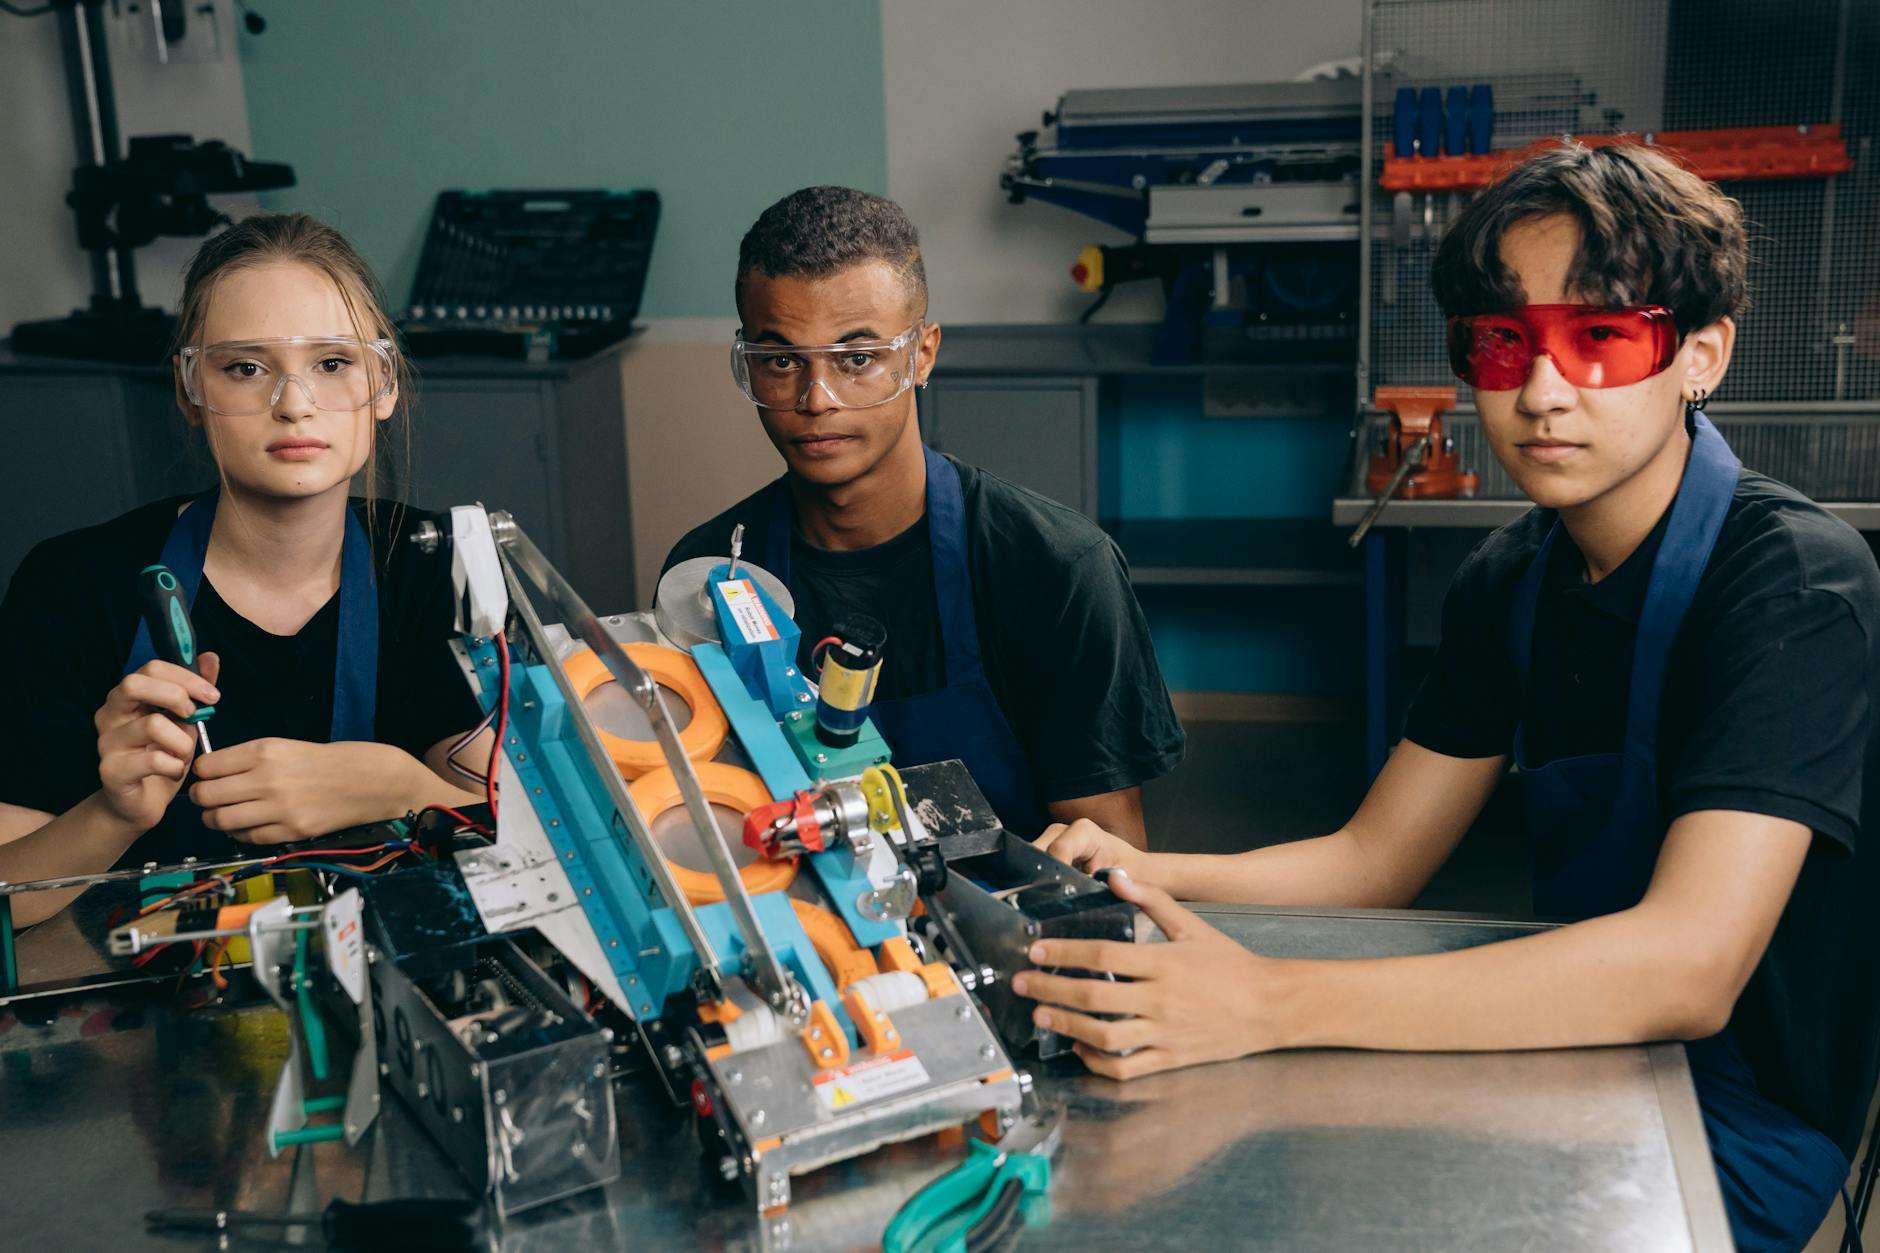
{"x":1609,"y":66}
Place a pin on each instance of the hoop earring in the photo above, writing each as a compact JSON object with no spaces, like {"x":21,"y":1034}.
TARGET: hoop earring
{"x":1694,"y":405}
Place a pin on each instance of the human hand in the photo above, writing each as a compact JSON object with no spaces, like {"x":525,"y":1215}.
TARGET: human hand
{"x":144,"y":748}
{"x":1090,"y":848}
{"x":272,"y":791}
{"x":1198,"y":998}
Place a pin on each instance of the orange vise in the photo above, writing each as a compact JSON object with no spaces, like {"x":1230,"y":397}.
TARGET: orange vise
{"x":1418,"y":457}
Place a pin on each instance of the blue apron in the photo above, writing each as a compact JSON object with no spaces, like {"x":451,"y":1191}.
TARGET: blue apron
{"x":962,"y":719}
{"x":355,"y":670}
{"x":1597,"y":826}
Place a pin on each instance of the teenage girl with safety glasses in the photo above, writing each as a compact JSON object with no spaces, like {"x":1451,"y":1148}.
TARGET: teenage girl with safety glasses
{"x":1679,"y":656}
{"x":337,"y":701}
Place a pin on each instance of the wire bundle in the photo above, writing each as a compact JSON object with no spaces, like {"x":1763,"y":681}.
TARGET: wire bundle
{"x":497,"y":716}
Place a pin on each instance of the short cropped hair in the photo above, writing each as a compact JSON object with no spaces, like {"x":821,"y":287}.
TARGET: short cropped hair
{"x":817,"y":231}
{"x":1651,"y":233}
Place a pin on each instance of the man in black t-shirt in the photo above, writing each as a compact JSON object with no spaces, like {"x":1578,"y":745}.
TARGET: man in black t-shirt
{"x":1679,"y":657}
{"x":1014,"y":640}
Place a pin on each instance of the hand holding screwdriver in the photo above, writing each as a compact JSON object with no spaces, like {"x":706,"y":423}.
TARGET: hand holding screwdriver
{"x":144,"y":750}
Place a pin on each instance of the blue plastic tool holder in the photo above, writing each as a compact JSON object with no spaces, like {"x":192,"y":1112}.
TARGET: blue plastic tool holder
{"x":1456,"y":122}
{"x":1403,"y":123}
{"x":767,"y":665}
{"x":1430,"y":122}
{"x":1481,"y":119}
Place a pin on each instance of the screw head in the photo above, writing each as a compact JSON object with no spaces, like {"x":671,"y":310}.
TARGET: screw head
{"x":988,"y":1052}
{"x":758,"y":1117}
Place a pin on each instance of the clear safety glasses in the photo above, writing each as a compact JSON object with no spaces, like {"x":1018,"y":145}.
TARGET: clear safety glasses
{"x":857,"y":375}
{"x":240,"y":379}
{"x":1590,"y":346}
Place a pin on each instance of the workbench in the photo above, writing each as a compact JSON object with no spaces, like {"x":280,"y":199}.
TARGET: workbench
{"x":122,"y":1104}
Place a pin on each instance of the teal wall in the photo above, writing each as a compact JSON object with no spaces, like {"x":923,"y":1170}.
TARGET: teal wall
{"x":721,"y":107}
{"x":1170,"y":460}
{"x":1162,"y":458}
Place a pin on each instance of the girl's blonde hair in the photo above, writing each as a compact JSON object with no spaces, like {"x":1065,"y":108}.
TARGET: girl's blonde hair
{"x":268,"y":238}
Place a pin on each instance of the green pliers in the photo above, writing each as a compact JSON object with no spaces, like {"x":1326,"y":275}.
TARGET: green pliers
{"x":977,"y":1203}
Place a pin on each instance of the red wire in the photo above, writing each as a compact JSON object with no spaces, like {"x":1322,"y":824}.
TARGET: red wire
{"x":502,"y":721}
{"x":392,"y":856}
{"x":815,"y":654}
{"x":462,"y":819}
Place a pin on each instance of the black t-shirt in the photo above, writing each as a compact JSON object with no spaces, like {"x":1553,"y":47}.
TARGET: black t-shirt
{"x":1768,"y":708}
{"x":71,"y":613}
{"x":1064,"y":645}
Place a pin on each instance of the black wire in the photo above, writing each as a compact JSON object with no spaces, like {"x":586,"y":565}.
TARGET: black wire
{"x":1098,"y":303}
{"x":999,"y":1221}
{"x":17,"y":11}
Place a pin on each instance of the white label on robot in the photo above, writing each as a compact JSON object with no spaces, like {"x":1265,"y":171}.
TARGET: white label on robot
{"x":345,"y":942}
{"x":747,"y":610}
{"x":899,"y":1071}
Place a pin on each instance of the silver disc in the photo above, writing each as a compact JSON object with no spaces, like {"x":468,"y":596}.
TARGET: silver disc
{"x":683,"y":610}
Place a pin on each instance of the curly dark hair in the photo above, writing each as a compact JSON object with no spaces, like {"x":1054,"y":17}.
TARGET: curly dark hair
{"x":1651,"y":233}
{"x":817,"y":231}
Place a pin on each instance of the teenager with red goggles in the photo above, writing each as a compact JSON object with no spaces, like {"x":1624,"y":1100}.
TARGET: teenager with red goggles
{"x":1678,"y":654}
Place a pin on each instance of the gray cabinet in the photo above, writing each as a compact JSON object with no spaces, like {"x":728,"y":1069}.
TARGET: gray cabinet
{"x":83,"y":445}
{"x":490,"y":440}
{"x":86,"y":441}
{"x":1039,"y":432}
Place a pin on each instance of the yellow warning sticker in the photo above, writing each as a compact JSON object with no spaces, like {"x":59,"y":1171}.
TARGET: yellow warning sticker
{"x":869,"y":1080}
{"x":747,"y":611}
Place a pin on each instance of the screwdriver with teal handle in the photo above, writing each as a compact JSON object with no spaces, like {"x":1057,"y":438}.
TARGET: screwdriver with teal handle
{"x":171,"y":634}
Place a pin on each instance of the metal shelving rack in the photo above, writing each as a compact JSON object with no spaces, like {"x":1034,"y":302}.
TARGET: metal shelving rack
{"x":1802,"y":400}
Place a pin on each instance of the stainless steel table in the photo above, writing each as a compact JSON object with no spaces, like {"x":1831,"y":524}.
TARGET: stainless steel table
{"x":116,"y":1107}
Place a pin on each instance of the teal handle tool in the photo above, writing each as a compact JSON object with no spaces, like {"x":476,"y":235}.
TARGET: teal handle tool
{"x":171,"y":632}
{"x":940,"y":1217}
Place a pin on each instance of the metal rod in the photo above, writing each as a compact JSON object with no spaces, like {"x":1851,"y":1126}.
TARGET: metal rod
{"x":1411,"y":461}
{"x":1824,"y":282}
{"x":1367,"y":175}
{"x":765,"y":970}
{"x":119,"y":876}
{"x":629,"y":812}
{"x":136,"y":941}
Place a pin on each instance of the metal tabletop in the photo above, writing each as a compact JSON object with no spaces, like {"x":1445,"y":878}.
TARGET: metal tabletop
{"x":118,"y":1105}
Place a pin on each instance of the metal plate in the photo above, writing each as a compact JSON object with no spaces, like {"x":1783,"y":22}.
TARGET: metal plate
{"x":685,"y":615}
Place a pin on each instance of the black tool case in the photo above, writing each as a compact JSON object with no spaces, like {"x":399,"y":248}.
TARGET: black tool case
{"x":535,"y":274}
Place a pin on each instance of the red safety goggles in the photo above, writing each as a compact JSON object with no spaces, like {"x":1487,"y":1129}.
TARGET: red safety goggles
{"x":1590,"y":346}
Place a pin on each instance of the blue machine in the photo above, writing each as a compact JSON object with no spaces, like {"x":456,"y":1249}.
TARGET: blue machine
{"x":1242,"y":201}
